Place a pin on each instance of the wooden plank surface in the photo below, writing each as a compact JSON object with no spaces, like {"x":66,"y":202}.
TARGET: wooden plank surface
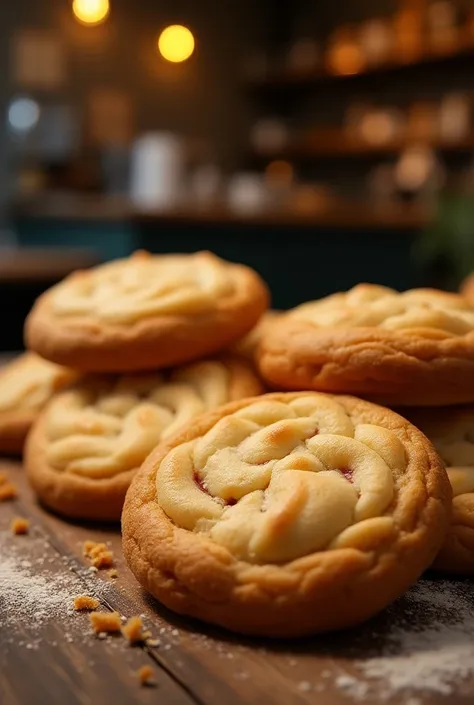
{"x":60,"y":661}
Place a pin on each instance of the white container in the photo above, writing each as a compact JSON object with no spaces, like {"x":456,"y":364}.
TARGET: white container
{"x":157,"y":171}
{"x":247,"y":194}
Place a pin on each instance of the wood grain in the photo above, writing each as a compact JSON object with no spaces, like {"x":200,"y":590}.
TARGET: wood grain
{"x":193,"y":663}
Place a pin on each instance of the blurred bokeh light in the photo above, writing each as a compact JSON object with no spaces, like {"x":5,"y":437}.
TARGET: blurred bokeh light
{"x":176,"y":43}
{"x":91,"y":11}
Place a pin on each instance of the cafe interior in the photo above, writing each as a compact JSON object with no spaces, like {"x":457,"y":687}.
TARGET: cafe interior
{"x":323,"y":143}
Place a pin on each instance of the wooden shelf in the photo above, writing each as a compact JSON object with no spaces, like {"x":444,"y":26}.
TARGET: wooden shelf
{"x":336,"y":144}
{"x":340,"y":214}
{"x":429,"y":56}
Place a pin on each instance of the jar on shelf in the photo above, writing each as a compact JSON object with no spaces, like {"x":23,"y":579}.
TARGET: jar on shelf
{"x":409,"y":34}
{"x":344,"y":55}
{"x":444,"y":26}
{"x":377,"y":41}
{"x":456,"y":117}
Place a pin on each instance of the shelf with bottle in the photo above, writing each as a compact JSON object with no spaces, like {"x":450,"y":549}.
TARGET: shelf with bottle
{"x":373,"y":131}
{"x":443,"y":32}
{"x":308,"y":207}
{"x":337,"y":144}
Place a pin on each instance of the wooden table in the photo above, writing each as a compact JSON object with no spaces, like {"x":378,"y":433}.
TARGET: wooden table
{"x":63,"y":663}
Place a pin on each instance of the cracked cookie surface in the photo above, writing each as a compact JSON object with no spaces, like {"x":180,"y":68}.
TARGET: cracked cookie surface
{"x":146,"y":312}
{"x":451,"y":430}
{"x":287,"y":514}
{"x":90,"y":440}
{"x":410,"y":348}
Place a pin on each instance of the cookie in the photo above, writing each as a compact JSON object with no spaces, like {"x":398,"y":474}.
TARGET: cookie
{"x":86,"y":446}
{"x":467,"y":289}
{"x":146,"y":312}
{"x":414,"y":348}
{"x":26,"y":385}
{"x":451,"y":430}
{"x":287,"y":514}
{"x":248,"y":345}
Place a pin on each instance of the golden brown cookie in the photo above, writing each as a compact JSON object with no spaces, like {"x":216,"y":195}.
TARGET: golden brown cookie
{"x":414,"y":348}
{"x":26,"y":385}
{"x":248,"y":345}
{"x":467,"y":289}
{"x":451,"y":430}
{"x":146,"y":312}
{"x":85,"y":448}
{"x":287,"y":514}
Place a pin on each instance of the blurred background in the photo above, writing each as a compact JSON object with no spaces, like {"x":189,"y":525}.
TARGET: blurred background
{"x":323,"y":143}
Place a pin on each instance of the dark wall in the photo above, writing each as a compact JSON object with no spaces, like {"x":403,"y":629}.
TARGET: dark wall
{"x":325,"y":103}
{"x":203,"y":98}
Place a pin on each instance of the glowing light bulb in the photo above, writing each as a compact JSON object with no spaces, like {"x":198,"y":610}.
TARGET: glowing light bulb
{"x":91,"y":11}
{"x":176,"y":43}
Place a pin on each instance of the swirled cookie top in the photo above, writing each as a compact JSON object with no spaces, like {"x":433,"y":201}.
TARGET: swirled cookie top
{"x":107,"y":426}
{"x":275,"y":480}
{"x":452,"y":434}
{"x":143,"y":286}
{"x":27,"y":383}
{"x":368,"y":305}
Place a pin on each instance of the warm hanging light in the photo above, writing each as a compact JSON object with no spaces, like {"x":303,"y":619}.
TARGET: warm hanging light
{"x":176,"y":43}
{"x":91,"y":11}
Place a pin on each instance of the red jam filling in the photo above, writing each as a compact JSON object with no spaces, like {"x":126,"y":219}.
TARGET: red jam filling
{"x":348,"y":474}
{"x":199,"y":482}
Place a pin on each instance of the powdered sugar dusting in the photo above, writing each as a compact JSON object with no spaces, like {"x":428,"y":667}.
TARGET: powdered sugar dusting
{"x":31,"y":594}
{"x":428,"y":650}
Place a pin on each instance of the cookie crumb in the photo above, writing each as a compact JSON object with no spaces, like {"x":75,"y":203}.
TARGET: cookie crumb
{"x":99,"y":553}
{"x":87,"y":546}
{"x":7,"y":491}
{"x":103,"y":560}
{"x":86,"y":602}
{"x":133,"y":630}
{"x":19,"y":526}
{"x":113,"y":573}
{"x":145,"y":675}
{"x":107,"y":622}
{"x":94,"y":548}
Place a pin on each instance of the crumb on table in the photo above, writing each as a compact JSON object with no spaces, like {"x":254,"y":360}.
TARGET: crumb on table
{"x":107,"y":622}
{"x":99,"y":553}
{"x":92,"y":548}
{"x":85,"y":602}
{"x":145,"y":675}
{"x":113,"y":573}
{"x":103,"y":560}
{"x":7,"y":491}
{"x":19,"y":525}
{"x":133,"y":630}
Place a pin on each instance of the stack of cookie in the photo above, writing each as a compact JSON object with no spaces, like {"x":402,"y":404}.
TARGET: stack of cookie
{"x":309,"y":510}
{"x":284,"y":513}
{"x":137,"y":334}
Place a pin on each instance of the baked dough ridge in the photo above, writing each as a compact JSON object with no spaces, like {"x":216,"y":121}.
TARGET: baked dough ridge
{"x":82,"y":497}
{"x":388,"y":367}
{"x":323,"y":591}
